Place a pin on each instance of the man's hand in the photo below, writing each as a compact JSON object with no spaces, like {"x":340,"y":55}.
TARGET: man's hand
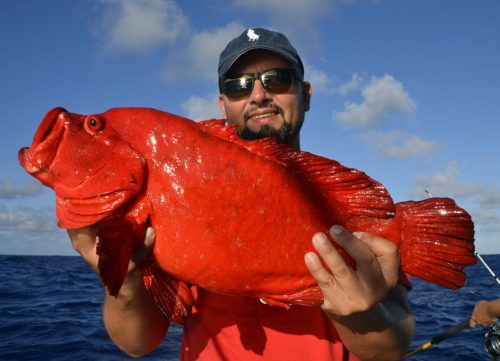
{"x":84,"y":241}
{"x":347,"y":290}
{"x":485,"y":313}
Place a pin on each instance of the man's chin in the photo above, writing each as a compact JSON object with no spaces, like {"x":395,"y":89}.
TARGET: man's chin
{"x":282,"y":135}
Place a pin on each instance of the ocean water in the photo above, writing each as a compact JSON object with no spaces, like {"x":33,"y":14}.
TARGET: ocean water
{"x":50,"y":309}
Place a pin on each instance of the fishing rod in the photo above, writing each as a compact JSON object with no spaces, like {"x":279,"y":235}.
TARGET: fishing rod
{"x":493,"y":339}
{"x":452,"y":331}
{"x":487,"y":267}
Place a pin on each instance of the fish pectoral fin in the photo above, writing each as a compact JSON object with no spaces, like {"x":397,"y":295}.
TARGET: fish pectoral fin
{"x":118,"y":239}
{"x":172,"y":296}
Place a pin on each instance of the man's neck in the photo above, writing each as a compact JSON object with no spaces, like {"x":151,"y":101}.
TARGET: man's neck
{"x":295,"y":143}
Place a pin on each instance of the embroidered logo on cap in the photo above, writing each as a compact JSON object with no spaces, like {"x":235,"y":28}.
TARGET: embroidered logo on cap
{"x":252,"y":36}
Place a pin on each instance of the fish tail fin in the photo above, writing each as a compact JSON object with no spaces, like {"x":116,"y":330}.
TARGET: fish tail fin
{"x":118,"y":238}
{"x":171,"y":295}
{"x":437,"y":240}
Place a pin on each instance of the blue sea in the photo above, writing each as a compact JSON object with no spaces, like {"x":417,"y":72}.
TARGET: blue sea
{"x":50,"y":309}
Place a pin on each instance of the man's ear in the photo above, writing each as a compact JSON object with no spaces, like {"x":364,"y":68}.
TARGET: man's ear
{"x":222,"y":107}
{"x":306,"y":95}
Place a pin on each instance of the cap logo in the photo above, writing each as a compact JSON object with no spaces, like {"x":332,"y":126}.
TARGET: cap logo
{"x":252,"y":36}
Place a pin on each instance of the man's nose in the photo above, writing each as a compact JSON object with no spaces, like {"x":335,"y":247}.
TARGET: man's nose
{"x":259,"y":93}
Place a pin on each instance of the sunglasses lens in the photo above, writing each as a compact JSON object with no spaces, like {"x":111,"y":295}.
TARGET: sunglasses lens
{"x":275,"y":81}
{"x":238,"y":87}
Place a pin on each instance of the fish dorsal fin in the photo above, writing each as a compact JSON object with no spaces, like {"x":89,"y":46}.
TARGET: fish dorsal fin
{"x":350,"y":188}
{"x":357,"y":193}
{"x":218,"y":128}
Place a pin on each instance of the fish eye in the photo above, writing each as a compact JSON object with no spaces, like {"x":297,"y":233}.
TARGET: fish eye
{"x":93,"y":124}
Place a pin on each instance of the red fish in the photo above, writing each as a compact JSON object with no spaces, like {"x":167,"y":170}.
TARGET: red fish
{"x":232,"y":216}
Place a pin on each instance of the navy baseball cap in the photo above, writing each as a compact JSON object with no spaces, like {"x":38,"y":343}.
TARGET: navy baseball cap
{"x":259,"y":38}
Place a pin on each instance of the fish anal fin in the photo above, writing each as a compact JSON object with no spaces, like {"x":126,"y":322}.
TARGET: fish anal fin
{"x":172,"y":296}
{"x":118,"y":239}
{"x":437,"y":240}
{"x":308,"y":297}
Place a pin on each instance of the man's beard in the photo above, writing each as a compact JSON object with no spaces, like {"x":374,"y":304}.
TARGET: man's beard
{"x":284,"y":134}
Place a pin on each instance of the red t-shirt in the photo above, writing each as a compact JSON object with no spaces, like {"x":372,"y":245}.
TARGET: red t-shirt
{"x":242,"y":328}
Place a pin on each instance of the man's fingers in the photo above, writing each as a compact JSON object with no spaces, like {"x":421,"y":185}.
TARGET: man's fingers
{"x":324,"y":278}
{"x":386,"y":254}
{"x":352,"y":245}
{"x":332,"y":258}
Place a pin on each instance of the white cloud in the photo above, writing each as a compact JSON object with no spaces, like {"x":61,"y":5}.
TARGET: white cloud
{"x":291,"y":15}
{"x":351,"y":86}
{"x":200,"y":58}
{"x":26,"y":219}
{"x":198,"y":108}
{"x":487,"y":220}
{"x":140,"y":25}
{"x":25,"y":230}
{"x":446,"y":184}
{"x":320,"y":81}
{"x":490,"y":199}
{"x":9,"y":190}
{"x":400,"y":145}
{"x":380,"y":96}
{"x":481,"y":201}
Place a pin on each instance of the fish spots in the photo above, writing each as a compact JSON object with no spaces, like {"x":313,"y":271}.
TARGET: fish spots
{"x":178,"y":188}
{"x":152,"y":143}
{"x":176,"y":137}
{"x":169,"y":169}
{"x":237,"y":242}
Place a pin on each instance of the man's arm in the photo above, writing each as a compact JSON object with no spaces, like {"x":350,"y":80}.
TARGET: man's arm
{"x":367,"y":306}
{"x":132,"y":319}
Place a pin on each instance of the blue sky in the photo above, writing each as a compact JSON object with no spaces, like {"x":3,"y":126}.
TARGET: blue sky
{"x":407,"y":91}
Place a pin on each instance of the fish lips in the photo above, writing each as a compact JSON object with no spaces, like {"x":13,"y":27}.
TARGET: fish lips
{"x":37,"y":159}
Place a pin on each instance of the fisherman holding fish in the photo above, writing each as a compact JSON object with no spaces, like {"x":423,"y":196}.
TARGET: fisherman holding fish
{"x":365,"y":314}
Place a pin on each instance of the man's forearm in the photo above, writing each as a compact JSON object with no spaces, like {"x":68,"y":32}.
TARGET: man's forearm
{"x":382,"y":333}
{"x":132,"y":319}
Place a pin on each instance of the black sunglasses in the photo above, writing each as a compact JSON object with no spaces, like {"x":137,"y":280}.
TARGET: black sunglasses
{"x":275,"y":81}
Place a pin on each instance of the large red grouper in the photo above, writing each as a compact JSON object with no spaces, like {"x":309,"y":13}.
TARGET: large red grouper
{"x":232,"y":216}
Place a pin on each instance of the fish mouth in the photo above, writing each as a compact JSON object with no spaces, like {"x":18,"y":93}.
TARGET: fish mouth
{"x":38,"y":158}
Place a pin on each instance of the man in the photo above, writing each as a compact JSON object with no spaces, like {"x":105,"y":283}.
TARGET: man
{"x":365,"y":314}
